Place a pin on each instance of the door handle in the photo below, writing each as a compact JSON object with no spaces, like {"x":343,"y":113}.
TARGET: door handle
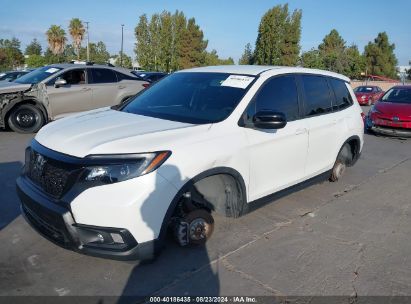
{"x":121,"y":87}
{"x":300,"y":131}
{"x":85,"y":89}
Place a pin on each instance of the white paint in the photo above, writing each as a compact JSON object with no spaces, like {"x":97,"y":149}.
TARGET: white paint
{"x":62,"y":291}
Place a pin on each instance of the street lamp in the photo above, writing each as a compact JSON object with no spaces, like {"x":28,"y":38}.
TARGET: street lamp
{"x":121,"y":52}
{"x":88,"y":42}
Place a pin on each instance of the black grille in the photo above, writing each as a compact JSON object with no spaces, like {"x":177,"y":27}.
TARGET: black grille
{"x":52,"y":176}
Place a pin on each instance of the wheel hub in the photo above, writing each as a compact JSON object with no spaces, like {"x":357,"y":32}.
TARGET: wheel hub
{"x":26,"y":119}
{"x":198,"y":229}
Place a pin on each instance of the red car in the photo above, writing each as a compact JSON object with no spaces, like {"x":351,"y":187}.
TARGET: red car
{"x":391,"y":115}
{"x":368,"y":95}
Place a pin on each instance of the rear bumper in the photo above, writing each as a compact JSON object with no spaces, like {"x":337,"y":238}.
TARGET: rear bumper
{"x":55,"y":221}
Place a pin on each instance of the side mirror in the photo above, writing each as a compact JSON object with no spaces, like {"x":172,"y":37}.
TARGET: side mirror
{"x":59,"y":82}
{"x":269,"y":120}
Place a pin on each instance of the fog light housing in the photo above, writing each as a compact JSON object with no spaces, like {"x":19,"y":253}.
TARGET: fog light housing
{"x":111,"y":239}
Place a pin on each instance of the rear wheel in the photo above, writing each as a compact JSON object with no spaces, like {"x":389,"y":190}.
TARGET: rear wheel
{"x":26,"y":118}
{"x":343,"y":159}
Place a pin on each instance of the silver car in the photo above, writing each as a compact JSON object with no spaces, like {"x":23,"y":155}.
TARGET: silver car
{"x":59,"y":90}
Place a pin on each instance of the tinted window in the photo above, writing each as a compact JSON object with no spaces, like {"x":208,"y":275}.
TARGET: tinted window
{"x":121,"y":76}
{"x":72,"y":77}
{"x":103,"y":76}
{"x":342,"y":95}
{"x":317,"y":95}
{"x":191,"y":97}
{"x":278,"y":94}
{"x":398,"y":95}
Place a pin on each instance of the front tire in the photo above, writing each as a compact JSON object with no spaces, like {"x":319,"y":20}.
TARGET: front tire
{"x":26,"y":118}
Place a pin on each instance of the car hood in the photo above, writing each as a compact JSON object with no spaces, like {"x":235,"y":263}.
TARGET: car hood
{"x":397,"y":109}
{"x":9,"y":87}
{"x":106,"y":131}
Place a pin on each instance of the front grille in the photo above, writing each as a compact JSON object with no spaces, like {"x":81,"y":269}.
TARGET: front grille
{"x":52,"y":176}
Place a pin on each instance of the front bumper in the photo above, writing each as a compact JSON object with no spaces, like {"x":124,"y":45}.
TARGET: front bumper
{"x":56,"y":222}
{"x":391,"y":131}
{"x":390,"y":128}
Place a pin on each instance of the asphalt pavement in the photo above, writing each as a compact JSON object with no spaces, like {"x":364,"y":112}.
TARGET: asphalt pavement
{"x":350,"y":238}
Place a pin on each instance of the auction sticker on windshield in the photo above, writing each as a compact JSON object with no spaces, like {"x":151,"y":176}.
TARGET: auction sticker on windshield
{"x":237,"y":81}
{"x":52,"y":70}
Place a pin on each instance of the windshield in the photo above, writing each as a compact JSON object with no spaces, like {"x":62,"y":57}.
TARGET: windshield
{"x":191,"y":97}
{"x":37,"y":75}
{"x":363,"y":89}
{"x":398,"y":95}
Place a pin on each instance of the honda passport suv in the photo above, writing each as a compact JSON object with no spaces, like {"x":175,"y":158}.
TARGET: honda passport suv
{"x":112,"y":181}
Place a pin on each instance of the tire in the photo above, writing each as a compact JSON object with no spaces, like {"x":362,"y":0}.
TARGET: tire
{"x":343,"y":159}
{"x":26,"y":118}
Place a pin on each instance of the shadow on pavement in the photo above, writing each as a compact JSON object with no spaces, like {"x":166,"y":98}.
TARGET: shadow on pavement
{"x":9,"y":202}
{"x":174,"y":265}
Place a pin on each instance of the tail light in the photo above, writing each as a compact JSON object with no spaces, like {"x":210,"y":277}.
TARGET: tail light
{"x":146,"y":85}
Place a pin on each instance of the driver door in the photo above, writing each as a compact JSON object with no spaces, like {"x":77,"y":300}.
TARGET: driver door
{"x":74,"y":96}
{"x":277,"y":156}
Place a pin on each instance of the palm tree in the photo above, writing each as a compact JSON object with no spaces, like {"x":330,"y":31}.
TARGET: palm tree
{"x":56,"y":37}
{"x":76,"y":30}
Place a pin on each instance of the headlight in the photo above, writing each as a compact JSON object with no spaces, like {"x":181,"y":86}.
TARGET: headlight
{"x":117,"y":168}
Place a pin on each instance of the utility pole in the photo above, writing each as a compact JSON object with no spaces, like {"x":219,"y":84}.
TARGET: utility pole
{"x":88,"y":42}
{"x":121,"y":52}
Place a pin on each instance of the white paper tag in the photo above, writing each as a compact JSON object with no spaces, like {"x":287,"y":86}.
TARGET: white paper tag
{"x":237,"y":81}
{"x":52,"y":70}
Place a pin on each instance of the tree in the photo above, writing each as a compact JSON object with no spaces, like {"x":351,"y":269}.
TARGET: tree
{"x":332,"y":52}
{"x":11,"y":56}
{"x":409,"y":74}
{"x":191,"y":51}
{"x":312,"y":59}
{"x":168,"y":42}
{"x":76,"y":30}
{"x":247,"y":57}
{"x":98,"y":52}
{"x":355,"y":63}
{"x":380,"y":58}
{"x":56,"y":38}
{"x":211,"y":58}
{"x":127,"y":62}
{"x":278,"y":40}
{"x":34,"y":48}
{"x":35,"y":61}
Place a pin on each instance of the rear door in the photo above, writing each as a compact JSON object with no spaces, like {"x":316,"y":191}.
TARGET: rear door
{"x":104,"y":86}
{"x":73,"y":97}
{"x":322,"y":123}
{"x":277,"y":157}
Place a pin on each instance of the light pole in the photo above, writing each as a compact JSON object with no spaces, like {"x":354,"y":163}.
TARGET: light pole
{"x":121,"y":52}
{"x":88,"y":41}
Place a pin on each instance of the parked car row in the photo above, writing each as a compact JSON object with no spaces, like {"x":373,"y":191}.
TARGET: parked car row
{"x":368,"y":95}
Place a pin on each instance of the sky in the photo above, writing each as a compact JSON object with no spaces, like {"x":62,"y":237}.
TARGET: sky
{"x":228,"y":25}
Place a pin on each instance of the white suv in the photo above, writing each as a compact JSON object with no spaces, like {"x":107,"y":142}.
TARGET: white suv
{"x":110,"y":182}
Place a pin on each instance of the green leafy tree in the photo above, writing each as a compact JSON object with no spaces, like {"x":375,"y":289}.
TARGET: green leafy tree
{"x":12,"y":57}
{"x":126,"y":61}
{"x":34,"y":48}
{"x":179,"y":23}
{"x":56,"y":38}
{"x":76,"y":30}
{"x":143,"y":45}
{"x":312,"y":59}
{"x":35,"y":61}
{"x":380,"y":58}
{"x":98,"y":52}
{"x":332,"y":52}
{"x":278,"y":40}
{"x":409,"y":74}
{"x":247,"y":56}
{"x":355,"y":63}
{"x":211,"y":58}
{"x":192,"y":46}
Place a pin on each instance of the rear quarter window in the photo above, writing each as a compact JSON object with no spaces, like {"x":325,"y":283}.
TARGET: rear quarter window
{"x":343,"y":97}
